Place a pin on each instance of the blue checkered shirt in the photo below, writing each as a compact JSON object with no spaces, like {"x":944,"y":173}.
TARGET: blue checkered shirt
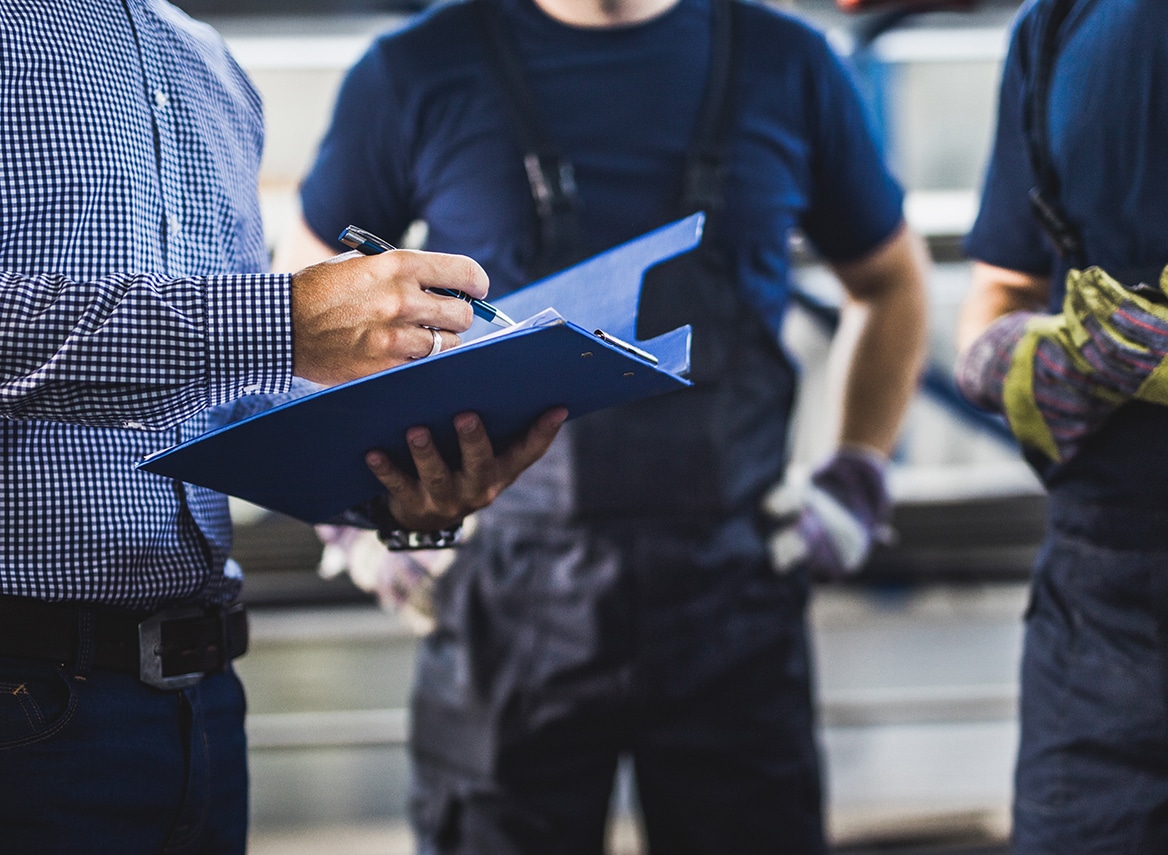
{"x":133,"y":296}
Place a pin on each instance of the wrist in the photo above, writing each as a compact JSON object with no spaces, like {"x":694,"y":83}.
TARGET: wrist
{"x":868,"y":455}
{"x":399,"y":539}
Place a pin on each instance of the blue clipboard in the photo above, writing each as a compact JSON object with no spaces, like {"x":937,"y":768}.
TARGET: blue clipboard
{"x":575,"y":347}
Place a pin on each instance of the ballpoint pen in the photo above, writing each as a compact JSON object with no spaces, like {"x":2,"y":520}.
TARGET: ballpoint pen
{"x":370,"y":244}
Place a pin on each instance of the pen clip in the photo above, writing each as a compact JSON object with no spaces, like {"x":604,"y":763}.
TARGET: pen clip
{"x":624,"y":345}
{"x":363,"y":241}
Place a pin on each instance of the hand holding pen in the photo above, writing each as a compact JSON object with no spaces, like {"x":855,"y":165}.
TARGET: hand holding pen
{"x":352,"y":316}
{"x":367,"y":243}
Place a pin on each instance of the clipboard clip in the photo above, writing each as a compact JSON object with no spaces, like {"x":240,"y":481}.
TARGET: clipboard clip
{"x":624,"y":345}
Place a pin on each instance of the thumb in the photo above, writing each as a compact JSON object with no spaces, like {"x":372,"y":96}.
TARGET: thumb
{"x":1163,"y":283}
{"x":788,"y":548}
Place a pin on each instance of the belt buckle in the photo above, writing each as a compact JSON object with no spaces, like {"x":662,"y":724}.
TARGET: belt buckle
{"x":150,"y":650}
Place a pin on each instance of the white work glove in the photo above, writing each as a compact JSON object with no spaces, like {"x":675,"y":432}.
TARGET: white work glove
{"x":403,"y":580}
{"x":831,"y":522}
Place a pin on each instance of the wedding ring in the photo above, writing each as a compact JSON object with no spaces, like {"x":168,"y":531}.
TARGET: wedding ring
{"x":437,"y":346}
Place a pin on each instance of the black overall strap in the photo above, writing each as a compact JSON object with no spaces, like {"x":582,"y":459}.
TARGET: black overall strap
{"x":1044,"y":197}
{"x":705,"y":164}
{"x":550,"y":175}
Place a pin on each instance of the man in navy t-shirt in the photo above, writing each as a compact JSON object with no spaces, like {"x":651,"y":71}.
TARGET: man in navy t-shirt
{"x":1080,"y":387}
{"x":624,"y":599}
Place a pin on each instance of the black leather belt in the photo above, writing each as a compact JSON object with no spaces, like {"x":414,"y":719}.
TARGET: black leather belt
{"x":169,"y":649}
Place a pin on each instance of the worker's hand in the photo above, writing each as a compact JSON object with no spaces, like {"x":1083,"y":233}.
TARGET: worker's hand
{"x":1121,"y":334}
{"x":403,"y":581}
{"x":439,"y":498}
{"x":832,"y":523}
{"x":1057,"y":378}
{"x":1020,"y":366}
{"x":354,"y":314}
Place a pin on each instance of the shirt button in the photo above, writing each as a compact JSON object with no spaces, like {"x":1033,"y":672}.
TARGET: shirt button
{"x":161,"y":99}
{"x":173,"y":224}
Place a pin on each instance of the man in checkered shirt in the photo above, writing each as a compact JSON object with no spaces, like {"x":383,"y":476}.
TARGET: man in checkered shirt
{"x":133,"y":303}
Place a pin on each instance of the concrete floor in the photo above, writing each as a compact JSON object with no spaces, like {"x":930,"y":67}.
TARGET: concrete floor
{"x":389,"y":839}
{"x":383,"y":839}
{"x":394,"y":839}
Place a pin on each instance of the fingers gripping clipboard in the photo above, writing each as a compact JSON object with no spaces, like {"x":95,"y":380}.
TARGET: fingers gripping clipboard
{"x":575,"y":347}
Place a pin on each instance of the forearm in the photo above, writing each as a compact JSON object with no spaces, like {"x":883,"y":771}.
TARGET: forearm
{"x":142,"y":350}
{"x":879,"y":348}
{"x":880,"y":374}
{"x":995,"y":292}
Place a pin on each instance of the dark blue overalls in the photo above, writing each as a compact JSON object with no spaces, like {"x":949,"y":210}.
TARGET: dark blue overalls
{"x":625,"y":603}
{"x":1092,"y":772}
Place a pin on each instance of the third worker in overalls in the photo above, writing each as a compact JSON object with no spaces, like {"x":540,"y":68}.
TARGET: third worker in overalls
{"x":1076,"y":183}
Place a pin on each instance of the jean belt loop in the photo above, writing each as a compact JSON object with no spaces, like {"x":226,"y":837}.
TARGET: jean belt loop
{"x":86,"y":641}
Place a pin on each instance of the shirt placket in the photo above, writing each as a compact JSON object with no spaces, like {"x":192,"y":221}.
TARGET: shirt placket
{"x":162,"y":93}
{"x":160,"y":75}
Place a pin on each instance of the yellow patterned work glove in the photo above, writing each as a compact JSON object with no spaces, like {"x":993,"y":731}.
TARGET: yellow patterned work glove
{"x":1057,"y":378}
{"x":1122,"y":333}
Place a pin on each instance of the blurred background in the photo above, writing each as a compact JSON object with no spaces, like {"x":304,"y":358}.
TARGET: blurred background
{"x":917,"y":661}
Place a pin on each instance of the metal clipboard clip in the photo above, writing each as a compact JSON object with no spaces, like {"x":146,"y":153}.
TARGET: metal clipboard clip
{"x":624,"y":345}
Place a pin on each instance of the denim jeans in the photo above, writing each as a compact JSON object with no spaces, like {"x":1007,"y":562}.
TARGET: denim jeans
{"x":93,"y":761}
{"x":1092,"y":773}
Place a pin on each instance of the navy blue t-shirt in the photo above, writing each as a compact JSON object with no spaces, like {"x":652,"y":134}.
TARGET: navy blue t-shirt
{"x":1108,"y":132}
{"x":421,"y":132}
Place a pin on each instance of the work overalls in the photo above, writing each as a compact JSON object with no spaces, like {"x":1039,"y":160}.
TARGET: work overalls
{"x":620,"y":599}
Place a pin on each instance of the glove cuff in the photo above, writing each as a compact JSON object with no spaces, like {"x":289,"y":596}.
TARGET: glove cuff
{"x":854,"y":477}
{"x":981,"y":369}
